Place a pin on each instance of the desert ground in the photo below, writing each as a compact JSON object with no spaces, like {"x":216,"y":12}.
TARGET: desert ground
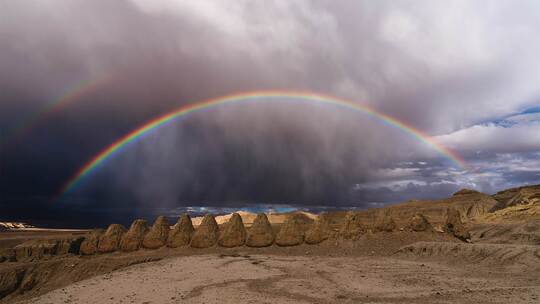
{"x":244,"y":278}
{"x":469,"y":248}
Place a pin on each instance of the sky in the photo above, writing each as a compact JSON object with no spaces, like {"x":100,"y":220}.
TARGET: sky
{"x":78,"y":75}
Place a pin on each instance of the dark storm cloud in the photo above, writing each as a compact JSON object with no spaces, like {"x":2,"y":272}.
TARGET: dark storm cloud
{"x":446,"y":68}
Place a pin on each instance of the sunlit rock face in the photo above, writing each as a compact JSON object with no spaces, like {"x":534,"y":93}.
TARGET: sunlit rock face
{"x":234,"y":233}
{"x":419,"y":223}
{"x":158,"y":234}
{"x":318,"y":232}
{"x":90,"y":244}
{"x":290,"y":234}
{"x":206,"y":235}
{"x":181,"y":233}
{"x":455,"y":226}
{"x":133,"y":239}
{"x":260,"y":234}
{"x":110,"y":240}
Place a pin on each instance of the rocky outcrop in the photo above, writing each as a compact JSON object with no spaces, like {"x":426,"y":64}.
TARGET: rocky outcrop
{"x":523,"y":233}
{"x":353,"y":227}
{"x":318,"y":232}
{"x":290,"y":234}
{"x":181,"y":233}
{"x":158,"y":234}
{"x":470,"y":203}
{"x":385,"y":223}
{"x":10,"y":280}
{"x":466,"y":192}
{"x":7,"y":255}
{"x":110,"y":240}
{"x":234,"y":233}
{"x":35,"y":249}
{"x":132,"y":240}
{"x":455,"y":226}
{"x":90,"y":244}
{"x":260,"y":234}
{"x":69,"y":246}
{"x":206,"y":235}
{"x":518,"y":196}
{"x":419,"y":223}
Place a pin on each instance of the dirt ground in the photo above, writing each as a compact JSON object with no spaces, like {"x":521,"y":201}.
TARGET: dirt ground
{"x":399,"y":267}
{"x":241,"y":277}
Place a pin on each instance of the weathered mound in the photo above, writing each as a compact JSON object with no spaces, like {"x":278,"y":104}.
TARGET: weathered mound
{"x":291,"y":233}
{"x":10,"y":281}
{"x":7,"y":255}
{"x":319,"y":231}
{"x":455,"y":226}
{"x":419,"y":223}
{"x":260,"y":234}
{"x":469,"y":203}
{"x":234,"y":234}
{"x":206,"y":234}
{"x":353,"y":227}
{"x":489,"y":254}
{"x":527,"y":233}
{"x":36,"y":249}
{"x":528,"y":195}
{"x":181,"y":234}
{"x":247,"y":218}
{"x":385,"y":223}
{"x":110,"y":241}
{"x":133,"y":239}
{"x":466,"y":192}
{"x":158,"y":234}
{"x":90,"y":244}
{"x":72,"y":245}
{"x":302,"y":218}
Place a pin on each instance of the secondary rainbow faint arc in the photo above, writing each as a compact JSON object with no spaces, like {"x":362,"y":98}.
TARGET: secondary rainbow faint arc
{"x":255,"y":95}
{"x":75,"y":93}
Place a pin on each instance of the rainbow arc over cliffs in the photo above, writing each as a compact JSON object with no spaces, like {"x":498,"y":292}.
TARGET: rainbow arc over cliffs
{"x":263,"y":96}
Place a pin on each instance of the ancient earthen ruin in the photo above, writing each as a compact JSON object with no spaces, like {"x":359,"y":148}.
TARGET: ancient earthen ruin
{"x":206,"y":235}
{"x":133,"y":239}
{"x":158,"y":234}
{"x":110,"y":240}
{"x":261,"y":233}
{"x":181,"y":233}
{"x":234,"y":233}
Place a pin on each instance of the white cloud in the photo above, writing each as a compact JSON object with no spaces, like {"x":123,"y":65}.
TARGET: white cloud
{"x":494,"y":138}
{"x":258,"y":29}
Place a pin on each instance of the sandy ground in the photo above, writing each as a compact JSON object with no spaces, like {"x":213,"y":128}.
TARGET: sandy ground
{"x":243,"y":278}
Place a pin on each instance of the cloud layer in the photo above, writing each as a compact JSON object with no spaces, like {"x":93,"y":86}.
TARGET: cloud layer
{"x":463,"y":72}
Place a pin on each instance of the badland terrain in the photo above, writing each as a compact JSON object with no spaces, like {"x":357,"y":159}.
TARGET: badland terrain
{"x":469,"y":248}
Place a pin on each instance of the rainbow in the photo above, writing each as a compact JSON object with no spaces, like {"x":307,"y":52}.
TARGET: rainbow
{"x":73,"y":94}
{"x":117,"y":146}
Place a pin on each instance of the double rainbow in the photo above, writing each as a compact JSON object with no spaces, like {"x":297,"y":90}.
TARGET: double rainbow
{"x":70,"y":96}
{"x":267,"y":96}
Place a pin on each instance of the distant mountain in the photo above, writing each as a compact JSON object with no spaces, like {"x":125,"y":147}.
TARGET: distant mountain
{"x":249,"y":217}
{"x":14,"y":226}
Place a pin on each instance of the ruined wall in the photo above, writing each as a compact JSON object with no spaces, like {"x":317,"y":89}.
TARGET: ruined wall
{"x":293,"y":232}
